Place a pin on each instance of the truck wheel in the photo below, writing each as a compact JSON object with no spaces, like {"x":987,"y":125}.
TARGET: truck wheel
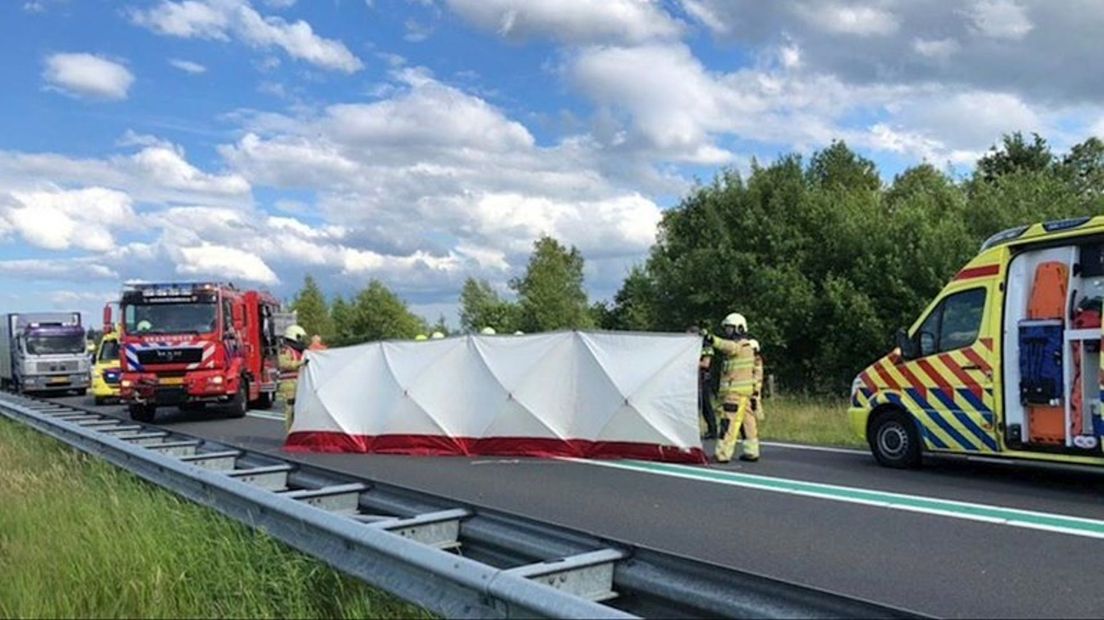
{"x":264,"y":401}
{"x":142,"y":413}
{"x":240,"y":405}
{"x":894,"y":440}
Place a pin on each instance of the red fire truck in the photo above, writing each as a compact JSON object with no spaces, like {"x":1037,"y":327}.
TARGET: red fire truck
{"x":192,"y":344}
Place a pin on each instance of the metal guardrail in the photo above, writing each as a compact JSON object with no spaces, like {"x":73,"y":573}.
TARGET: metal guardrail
{"x":455,"y":560}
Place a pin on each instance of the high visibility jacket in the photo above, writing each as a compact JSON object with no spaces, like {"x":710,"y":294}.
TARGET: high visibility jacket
{"x":742,"y":374}
{"x":290,"y":361}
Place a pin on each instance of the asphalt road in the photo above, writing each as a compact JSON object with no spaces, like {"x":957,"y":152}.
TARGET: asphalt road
{"x":940,"y":564}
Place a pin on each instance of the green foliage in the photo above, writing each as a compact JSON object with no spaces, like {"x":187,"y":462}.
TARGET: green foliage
{"x":481,"y":306}
{"x":376,"y":313}
{"x":313,"y":315}
{"x":551,"y":294}
{"x":82,"y":539}
{"x":341,"y":316}
{"x":826,"y":262}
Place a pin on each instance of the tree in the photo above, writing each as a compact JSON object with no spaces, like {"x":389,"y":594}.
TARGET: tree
{"x":341,"y":315}
{"x":1083,"y":168}
{"x":634,"y":305}
{"x":481,"y":306}
{"x":440,"y":326}
{"x":313,"y":315}
{"x":551,"y":294}
{"x":1014,"y":155}
{"x":376,"y":313}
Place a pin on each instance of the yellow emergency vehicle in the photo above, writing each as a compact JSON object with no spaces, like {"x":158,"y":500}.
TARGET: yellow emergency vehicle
{"x":105,"y":370}
{"x":1005,"y":362}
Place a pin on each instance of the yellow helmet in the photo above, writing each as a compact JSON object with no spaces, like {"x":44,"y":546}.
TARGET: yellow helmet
{"x":144,"y":326}
{"x":436,"y":336}
{"x":421,"y":337}
{"x":487,"y":331}
{"x":519,"y":333}
{"x":737,"y":321}
{"x":295,"y":333}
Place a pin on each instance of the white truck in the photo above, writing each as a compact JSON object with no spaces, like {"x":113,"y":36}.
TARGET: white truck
{"x":43,"y":351}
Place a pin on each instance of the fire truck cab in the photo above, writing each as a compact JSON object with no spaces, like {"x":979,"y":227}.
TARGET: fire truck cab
{"x":192,"y":344}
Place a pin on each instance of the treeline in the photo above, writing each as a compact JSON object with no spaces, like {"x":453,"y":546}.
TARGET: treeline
{"x":824,"y":259}
{"x":549,"y":296}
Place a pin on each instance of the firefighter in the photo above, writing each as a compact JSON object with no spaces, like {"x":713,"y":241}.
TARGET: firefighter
{"x":316,"y":343}
{"x":707,"y":421}
{"x":741,"y":386}
{"x":291,"y":358}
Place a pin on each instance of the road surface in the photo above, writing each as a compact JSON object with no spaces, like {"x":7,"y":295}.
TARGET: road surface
{"x":954,"y":539}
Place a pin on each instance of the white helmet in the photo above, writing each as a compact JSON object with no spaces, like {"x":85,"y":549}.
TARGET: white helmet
{"x":295,"y":333}
{"x":487,"y":331}
{"x":436,"y":336}
{"x":737,"y":321}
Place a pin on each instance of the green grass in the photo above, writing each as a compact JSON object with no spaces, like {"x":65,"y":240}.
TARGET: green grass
{"x":809,"y":420}
{"x":81,"y":538}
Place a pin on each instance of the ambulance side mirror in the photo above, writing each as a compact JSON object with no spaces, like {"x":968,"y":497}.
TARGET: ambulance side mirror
{"x":906,"y":344}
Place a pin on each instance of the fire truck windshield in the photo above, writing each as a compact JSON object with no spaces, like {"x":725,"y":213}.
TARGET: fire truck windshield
{"x":53,"y":345}
{"x":170,"y":318}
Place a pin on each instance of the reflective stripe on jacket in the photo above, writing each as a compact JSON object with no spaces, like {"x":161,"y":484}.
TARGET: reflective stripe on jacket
{"x":743,"y":368}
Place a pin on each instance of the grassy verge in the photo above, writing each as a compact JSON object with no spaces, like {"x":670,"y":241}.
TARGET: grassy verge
{"x":81,"y":538}
{"x":797,"y":419}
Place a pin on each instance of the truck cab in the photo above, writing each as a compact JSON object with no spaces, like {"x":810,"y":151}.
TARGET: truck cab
{"x":1004,"y":362}
{"x":43,"y":352}
{"x":196,"y":344}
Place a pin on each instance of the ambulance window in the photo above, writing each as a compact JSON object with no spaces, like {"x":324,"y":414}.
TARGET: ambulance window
{"x":954,"y":324}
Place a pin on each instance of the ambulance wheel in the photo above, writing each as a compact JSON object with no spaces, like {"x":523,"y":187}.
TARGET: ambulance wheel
{"x":142,"y":413}
{"x":240,"y":405}
{"x":894,"y":440}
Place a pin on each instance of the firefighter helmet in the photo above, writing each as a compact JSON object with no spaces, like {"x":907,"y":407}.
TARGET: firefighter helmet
{"x":421,"y":337}
{"x":736,"y":321}
{"x":295,"y":333}
{"x":436,"y":336}
{"x":144,"y":326}
{"x":487,"y":331}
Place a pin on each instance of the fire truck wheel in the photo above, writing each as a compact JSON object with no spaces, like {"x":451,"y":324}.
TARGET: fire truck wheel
{"x":142,"y":413}
{"x":240,"y":405}
{"x":264,"y":401}
{"x":894,"y":439}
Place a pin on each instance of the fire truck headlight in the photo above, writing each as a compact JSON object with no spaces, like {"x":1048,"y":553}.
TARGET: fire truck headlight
{"x":217,"y":380}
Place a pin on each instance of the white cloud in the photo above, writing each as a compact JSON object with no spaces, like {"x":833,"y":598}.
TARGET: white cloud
{"x":280,"y":4}
{"x":939,"y":49}
{"x":226,"y":19}
{"x":856,"y":19}
{"x":1000,"y":19}
{"x":188,"y":66}
{"x":64,"y":219}
{"x":571,"y":20}
{"x":208,"y":260}
{"x":88,"y":75}
{"x":158,"y":172}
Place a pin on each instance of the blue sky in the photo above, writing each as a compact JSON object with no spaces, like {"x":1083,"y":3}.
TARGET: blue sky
{"x":424,"y":141}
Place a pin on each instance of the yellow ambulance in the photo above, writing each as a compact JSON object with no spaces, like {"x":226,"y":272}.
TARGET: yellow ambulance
{"x":1005,"y":362}
{"x":106,"y":370}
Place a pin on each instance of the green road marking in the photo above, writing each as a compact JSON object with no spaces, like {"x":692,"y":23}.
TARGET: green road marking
{"x":1077,"y":526}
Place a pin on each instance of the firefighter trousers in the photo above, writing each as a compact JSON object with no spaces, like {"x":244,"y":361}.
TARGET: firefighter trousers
{"x":289,"y":414}
{"x":738,"y":415}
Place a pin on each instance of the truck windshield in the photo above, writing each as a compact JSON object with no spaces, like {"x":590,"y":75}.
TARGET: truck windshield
{"x":109,"y":351}
{"x":182,"y":318}
{"x":53,"y":345}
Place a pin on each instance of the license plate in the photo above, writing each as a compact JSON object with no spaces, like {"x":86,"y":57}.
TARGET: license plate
{"x":171,"y":381}
{"x":55,"y":380}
